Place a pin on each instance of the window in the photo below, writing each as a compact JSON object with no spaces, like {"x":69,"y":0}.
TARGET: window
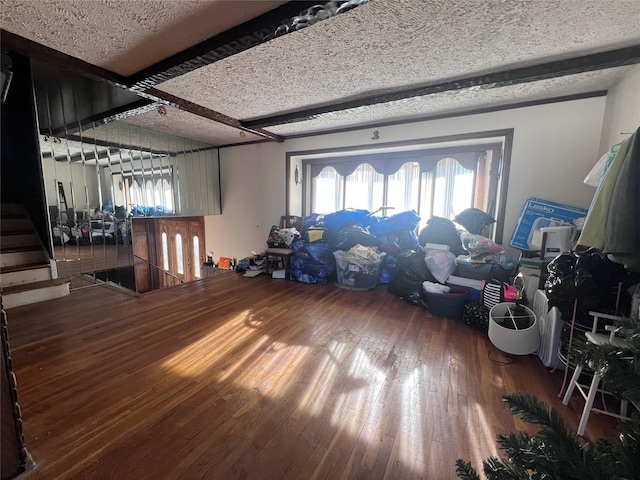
{"x":439,"y":181}
{"x":444,"y":190}
{"x":196,"y":255}
{"x":364,"y":188}
{"x":154,"y":192}
{"x":448,"y":189}
{"x":179,"y":261}
{"x":165,"y":252}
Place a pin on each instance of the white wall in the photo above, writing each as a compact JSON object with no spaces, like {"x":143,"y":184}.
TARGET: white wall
{"x":70,"y":175}
{"x":554,"y":147}
{"x":622,"y":110}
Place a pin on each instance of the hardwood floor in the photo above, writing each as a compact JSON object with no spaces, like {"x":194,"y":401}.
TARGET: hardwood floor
{"x":75,"y":259}
{"x":233,"y":377}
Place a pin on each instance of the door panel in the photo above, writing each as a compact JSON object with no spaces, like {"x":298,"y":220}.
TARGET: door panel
{"x":197,"y":250}
{"x":170,"y":247}
{"x":179,"y":257}
{"x":141,"y":256}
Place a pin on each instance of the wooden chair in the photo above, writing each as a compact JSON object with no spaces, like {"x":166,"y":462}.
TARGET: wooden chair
{"x":283,"y":255}
{"x":598,"y":339}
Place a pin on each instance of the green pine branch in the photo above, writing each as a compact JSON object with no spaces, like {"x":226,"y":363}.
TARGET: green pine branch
{"x":555,"y":453}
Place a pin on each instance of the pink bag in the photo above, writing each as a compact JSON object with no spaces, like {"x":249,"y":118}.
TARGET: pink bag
{"x":494,"y":292}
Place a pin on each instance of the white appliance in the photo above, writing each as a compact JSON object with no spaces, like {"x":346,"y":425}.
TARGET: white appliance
{"x":558,"y":241}
{"x":550,"y":325}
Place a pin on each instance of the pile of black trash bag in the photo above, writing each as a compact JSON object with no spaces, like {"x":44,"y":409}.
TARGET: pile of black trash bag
{"x":313,"y":260}
{"x":404,"y":268}
{"x":588,"y":281}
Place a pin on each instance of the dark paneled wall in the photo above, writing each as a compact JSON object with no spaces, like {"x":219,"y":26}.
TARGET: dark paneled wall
{"x":21,"y":174}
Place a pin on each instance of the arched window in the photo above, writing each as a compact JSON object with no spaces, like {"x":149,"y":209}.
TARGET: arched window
{"x":404,"y":188}
{"x":179,"y":261}
{"x":449,"y":189}
{"x":196,"y":255}
{"x":149,"y":193}
{"x":168,"y":195}
{"x":327,"y":191}
{"x":364,"y":188}
{"x":165,"y":252}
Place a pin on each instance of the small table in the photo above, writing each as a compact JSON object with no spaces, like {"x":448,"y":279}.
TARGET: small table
{"x":283,"y":254}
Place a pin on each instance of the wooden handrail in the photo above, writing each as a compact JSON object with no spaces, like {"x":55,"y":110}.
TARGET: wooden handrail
{"x":159,"y":268}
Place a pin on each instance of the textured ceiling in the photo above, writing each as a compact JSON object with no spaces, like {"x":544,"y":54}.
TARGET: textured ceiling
{"x":389,"y":44}
{"x":187,"y":125}
{"x":125,"y":36}
{"x":457,"y":101}
{"x":379,"y":47}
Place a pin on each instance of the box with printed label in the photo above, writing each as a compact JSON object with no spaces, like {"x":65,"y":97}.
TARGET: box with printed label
{"x":538,"y":213}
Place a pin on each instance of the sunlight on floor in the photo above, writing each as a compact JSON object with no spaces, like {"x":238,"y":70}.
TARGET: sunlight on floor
{"x":480,"y":435}
{"x":199,"y":356}
{"x":410,"y":431}
{"x":318,"y":394}
{"x":337,"y":382}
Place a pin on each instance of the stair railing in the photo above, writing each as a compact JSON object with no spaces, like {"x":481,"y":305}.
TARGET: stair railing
{"x":166,"y":275}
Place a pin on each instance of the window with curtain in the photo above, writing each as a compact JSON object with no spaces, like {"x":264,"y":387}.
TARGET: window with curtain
{"x":364,"y":188}
{"x":151,"y":192}
{"x":433,"y":182}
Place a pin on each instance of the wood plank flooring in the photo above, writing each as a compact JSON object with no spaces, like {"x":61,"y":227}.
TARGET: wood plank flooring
{"x":78,"y":259}
{"x":255,"y":378}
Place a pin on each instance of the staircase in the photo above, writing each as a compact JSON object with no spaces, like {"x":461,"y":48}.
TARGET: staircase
{"x":26,"y":275}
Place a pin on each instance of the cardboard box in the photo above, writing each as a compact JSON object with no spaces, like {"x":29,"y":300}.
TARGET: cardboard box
{"x":538,"y":213}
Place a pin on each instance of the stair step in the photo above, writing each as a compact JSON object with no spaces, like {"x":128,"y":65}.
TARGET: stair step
{"x":24,"y":294}
{"x":13,"y":224}
{"x":4,"y":248}
{"x":12,"y":209}
{"x":33,"y":273}
{"x":14,"y":216}
{"x":24,"y":231}
{"x":19,"y":240}
{"x":25,"y":257}
{"x":26,"y":266}
{"x":33,"y":285}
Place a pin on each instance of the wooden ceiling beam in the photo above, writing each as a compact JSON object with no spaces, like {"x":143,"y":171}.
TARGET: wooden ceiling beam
{"x":287,"y":18}
{"x":533,"y":73}
{"x":31,"y":49}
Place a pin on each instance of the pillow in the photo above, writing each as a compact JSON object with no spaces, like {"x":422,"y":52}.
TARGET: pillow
{"x":474,"y":220}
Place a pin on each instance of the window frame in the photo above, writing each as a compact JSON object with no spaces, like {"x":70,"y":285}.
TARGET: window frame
{"x":499,"y":141}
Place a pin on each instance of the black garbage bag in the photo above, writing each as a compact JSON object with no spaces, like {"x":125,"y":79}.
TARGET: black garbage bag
{"x":443,"y":231}
{"x":591,"y":278}
{"x":395,"y":242}
{"x":389,"y":265}
{"x":352,"y":235}
{"x":595,"y":273}
{"x":309,"y":271}
{"x":411,"y":271}
{"x":474,"y":220}
{"x":561,"y":282}
{"x":319,"y":252}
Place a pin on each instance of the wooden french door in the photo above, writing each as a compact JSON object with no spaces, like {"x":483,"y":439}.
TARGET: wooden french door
{"x":180,"y":247}
{"x":197,"y":252}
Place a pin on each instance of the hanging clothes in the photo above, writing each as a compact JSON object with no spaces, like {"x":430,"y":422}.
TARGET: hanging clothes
{"x":613,"y":222}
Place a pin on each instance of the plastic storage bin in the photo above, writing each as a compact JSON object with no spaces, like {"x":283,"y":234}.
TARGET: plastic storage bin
{"x":449,"y":304}
{"x":357,"y":273}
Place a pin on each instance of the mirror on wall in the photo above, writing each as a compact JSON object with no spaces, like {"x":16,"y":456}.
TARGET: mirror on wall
{"x":99,"y":174}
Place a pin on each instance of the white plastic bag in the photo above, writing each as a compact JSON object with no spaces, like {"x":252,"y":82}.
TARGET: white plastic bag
{"x":441,"y":263}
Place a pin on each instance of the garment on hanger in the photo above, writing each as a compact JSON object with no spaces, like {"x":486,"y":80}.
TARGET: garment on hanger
{"x":600,"y":169}
{"x":613,"y":222}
